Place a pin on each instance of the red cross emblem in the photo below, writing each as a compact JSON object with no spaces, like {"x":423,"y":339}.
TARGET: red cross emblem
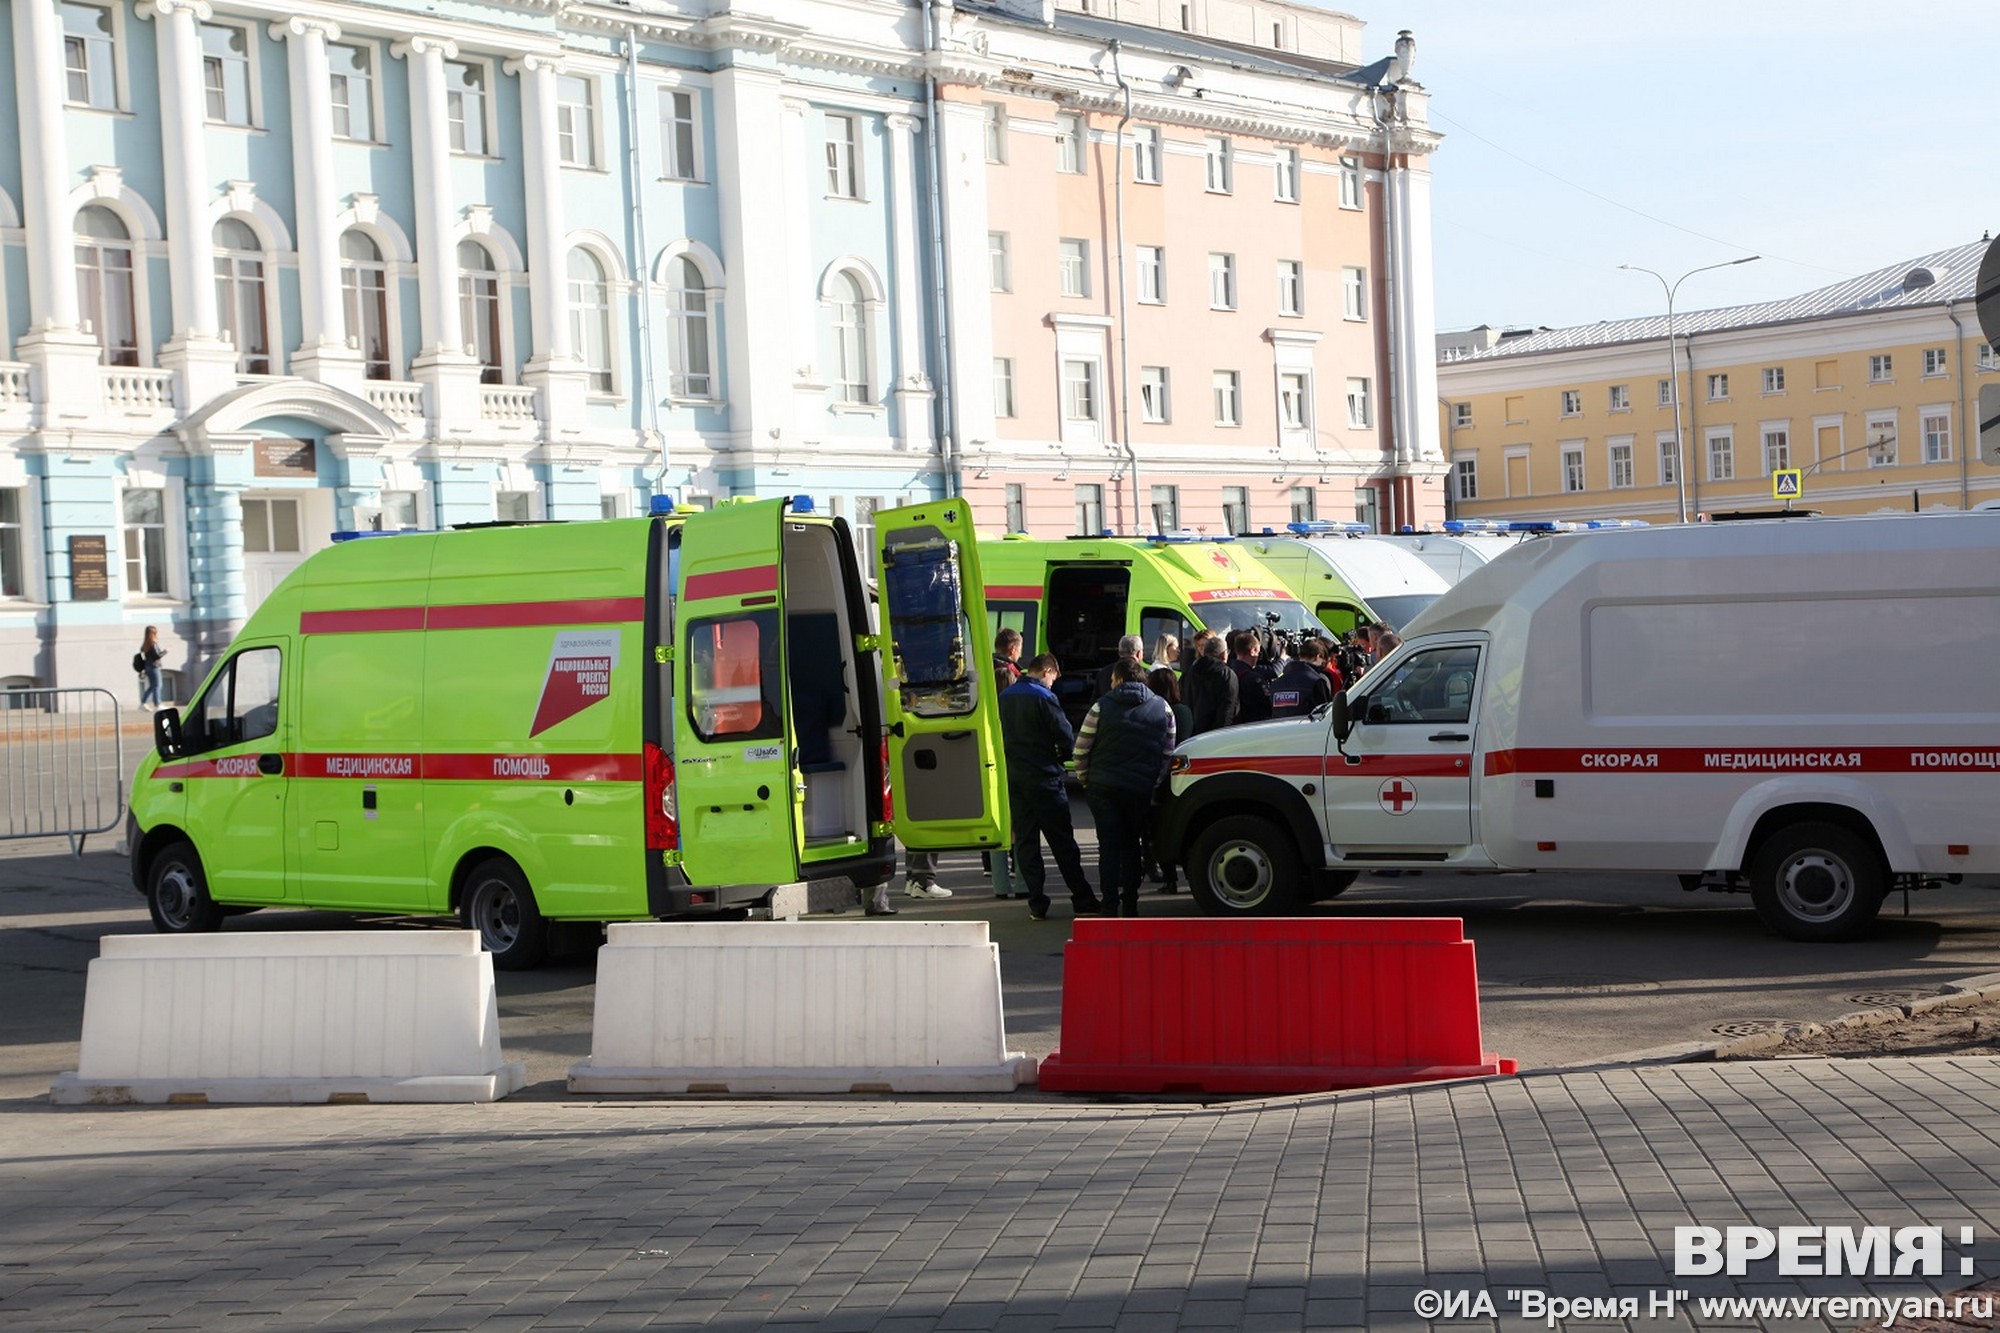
{"x":1221,"y":559}
{"x":1397,"y":796}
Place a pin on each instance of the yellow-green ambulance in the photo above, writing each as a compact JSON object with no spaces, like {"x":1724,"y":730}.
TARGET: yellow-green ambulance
{"x":582,"y":721}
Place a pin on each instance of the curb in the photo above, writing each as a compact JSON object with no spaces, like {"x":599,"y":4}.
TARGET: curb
{"x":1964,"y":993}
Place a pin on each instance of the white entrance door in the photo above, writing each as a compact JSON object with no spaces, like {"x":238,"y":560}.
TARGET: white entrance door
{"x":275,"y":528}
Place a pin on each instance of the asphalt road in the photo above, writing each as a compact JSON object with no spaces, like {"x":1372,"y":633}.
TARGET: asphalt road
{"x":1573,"y":969}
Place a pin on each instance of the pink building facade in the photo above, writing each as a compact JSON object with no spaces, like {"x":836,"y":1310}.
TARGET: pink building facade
{"x":1207,"y":308}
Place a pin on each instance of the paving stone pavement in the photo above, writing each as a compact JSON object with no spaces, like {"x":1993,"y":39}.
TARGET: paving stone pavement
{"x":1328,"y":1212}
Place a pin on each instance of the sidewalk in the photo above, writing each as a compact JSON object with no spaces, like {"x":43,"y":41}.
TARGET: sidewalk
{"x":1316,"y":1212}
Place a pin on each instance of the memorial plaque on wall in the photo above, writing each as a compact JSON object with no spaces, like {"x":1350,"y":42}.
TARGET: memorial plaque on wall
{"x":280,"y":457}
{"x":89,"y":569}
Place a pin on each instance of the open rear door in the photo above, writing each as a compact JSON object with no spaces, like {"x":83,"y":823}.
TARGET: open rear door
{"x":946,"y":765}
{"x":732,"y":747}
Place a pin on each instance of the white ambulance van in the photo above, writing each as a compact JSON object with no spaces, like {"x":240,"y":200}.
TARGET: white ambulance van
{"x":1460,"y":547}
{"x":1343,"y":577}
{"x":1803,"y":708}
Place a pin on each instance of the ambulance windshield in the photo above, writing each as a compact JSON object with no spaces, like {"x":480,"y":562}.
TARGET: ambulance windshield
{"x":1257,"y":613}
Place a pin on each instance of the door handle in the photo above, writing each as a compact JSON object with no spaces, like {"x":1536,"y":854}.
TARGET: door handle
{"x":272,"y":764}
{"x":1452,"y":736}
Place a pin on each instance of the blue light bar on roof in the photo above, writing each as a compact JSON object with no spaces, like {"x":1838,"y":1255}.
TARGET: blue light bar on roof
{"x":1178,"y":538}
{"x":1325,"y":527}
{"x":370,"y":532}
{"x":1536,"y":525}
{"x":1460,"y":526}
{"x":802,"y":504}
{"x":1616,"y":523}
{"x":660,"y":505}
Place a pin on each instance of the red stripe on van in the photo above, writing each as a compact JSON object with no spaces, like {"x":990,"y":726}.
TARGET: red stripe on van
{"x":495,"y":615}
{"x":378,"y":767}
{"x":379,"y":621}
{"x":1749,"y":759}
{"x":1013,"y":592}
{"x":732,"y":582}
{"x":1333,"y":766}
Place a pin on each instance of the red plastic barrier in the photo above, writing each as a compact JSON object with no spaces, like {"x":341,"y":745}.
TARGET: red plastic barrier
{"x":1279,"y":1005}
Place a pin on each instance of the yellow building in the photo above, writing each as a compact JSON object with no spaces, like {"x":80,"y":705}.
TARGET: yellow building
{"x":1869,"y":388}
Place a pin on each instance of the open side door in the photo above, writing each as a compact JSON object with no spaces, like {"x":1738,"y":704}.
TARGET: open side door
{"x":732,"y":735}
{"x":946,"y":765}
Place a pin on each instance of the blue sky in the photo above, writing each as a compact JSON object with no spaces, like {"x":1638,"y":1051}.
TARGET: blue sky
{"x":1831,"y":138}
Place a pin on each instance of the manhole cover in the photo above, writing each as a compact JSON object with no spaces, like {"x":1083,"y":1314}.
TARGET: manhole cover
{"x":1748,"y":1027}
{"x":1589,"y":985}
{"x":1885,"y":999}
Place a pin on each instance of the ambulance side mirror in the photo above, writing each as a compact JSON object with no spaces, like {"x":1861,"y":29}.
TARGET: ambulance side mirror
{"x":1343,"y":717}
{"x":167,"y":732}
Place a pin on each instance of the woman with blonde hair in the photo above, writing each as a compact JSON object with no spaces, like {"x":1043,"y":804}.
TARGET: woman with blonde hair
{"x":1166,"y":653}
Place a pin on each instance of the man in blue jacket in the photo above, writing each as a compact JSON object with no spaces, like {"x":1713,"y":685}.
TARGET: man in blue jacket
{"x":1121,"y":760}
{"x":1039,"y":742}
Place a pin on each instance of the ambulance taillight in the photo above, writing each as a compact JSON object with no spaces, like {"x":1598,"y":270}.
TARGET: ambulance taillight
{"x":663,"y":824}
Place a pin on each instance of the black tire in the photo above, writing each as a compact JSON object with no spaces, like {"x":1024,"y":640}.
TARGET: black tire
{"x":1818,"y":882}
{"x":498,"y":903}
{"x":177,"y":893}
{"x":1330,"y":884}
{"x":1245,"y":866}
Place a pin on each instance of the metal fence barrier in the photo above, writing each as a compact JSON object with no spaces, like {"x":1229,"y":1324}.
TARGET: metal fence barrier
{"x":62,"y":764}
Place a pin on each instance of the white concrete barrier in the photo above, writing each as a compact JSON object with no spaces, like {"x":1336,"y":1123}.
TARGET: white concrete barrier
{"x":814,"y":1006}
{"x":379,"y":1016}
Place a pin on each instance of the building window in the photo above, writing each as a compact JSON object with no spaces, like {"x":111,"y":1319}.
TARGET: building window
{"x":1350,"y":182}
{"x":996,"y":132}
{"x":1882,"y":440}
{"x":1777,"y":450}
{"x":1621,"y":398}
{"x":576,"y":120}
{"x":843,"y":157}
{"x":1465,"y":474}
{"x":1000,"y":270}
{"x":89,"y":57}
{"x":1079,"y":389}
{"x":1774,"y":379}
{"x":1670,"y":462}
{"x":364,"y":291}
{"x":12,"y":579}
{"x":270,"y":526}
{"x":1360,"y":413}
{"x":1461,"y":415}
{"x":1236,"y":510}
{"x":1721,"y":458}
{"x":1227,"y":385}
{"x":590,"y":317}
{"x":1621,"y":467}
{"x":1069,"y":143}
{"x":1166,"y":502}
{"x":1285,"y":176}
{"x":353,"y":82}
{"x":1937,"y":437}
{"x":1987,"y":358}
{"x":1666,"y":396}
{"x":239,"y":295}
{"x":479,"y":309}
{"x":1089,"y":510}
{"x":1017,"y":507}
{"x":465,"y":106}
{"x":1935,"y":361}
{"x":1826,"y":374}
{"x":850,"y":340}
{"x":1515,"y":411}
{"x":1367,"y":507}
{"x":1718,"y":388}
{"x":1305,"y":505}
{"x":1146,"y":155}
{"x":611,"y":506}
{"x":1221,"y":164}
{"x":104,"y":284}
{"x":1075,"y":267}
{"x":1354,"y":293}
{"x":1153,"y":403}
{"x":1003,"y":386}
{"x":146,"y":542}
{"x":1221,"y":282}
{"x":1152,"y":275}
{"x":1572,"y":400}
{"x":680,"y":134}
{"x":399,"y":512}
{"x":693,"y":335}
{"x":1291,"y":287}
{"x":225,"y":73}
{"x":1294,"y":400}
{"x":1572,"y":468}
{"x":514,"y":506}
{"x":1881,"y":368}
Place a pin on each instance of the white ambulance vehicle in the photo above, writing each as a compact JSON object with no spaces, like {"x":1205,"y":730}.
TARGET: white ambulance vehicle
{"x":1806,"y":709}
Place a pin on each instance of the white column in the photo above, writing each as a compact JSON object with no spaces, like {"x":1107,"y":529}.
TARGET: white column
{"x":38,"y":96}
{"x":962,"y":131}
{"x":799,"y":170}
{"x":909,"y":280}
{"x":548,"y":270}
{"x":748,"y":120}
{"x":1414,"y":400}
{"x":323,"y":353}
{"x":442,"y":364}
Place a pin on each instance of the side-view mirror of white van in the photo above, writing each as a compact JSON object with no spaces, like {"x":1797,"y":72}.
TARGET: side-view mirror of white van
{"x":1343,"y":716}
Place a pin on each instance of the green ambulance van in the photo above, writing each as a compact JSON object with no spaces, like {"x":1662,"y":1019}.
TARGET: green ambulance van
{"x":1077,"y":596}
{"x":594,"y":721}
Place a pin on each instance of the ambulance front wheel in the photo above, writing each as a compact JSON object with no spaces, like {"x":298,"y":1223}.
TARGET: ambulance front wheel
{"x":1245,"y":866}
{"x":1818,"y":882}
{"x":498,"y":903}
{"x":177,"y":894}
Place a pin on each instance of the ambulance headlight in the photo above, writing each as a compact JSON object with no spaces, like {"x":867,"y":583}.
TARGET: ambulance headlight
{"x":1179,"y":763}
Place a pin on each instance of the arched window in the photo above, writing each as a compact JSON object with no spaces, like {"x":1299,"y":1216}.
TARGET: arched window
{"x":479,"y":309}
{"x":590,"y":317}
{"x":239,"y":295}
{"x":364,"y":290}
{"x":104,"y":284}
{"x":850,"y":339}
{"x":693,"y":371}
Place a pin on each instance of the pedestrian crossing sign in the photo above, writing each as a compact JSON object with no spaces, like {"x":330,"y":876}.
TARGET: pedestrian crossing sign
{"x":1786,"y":484}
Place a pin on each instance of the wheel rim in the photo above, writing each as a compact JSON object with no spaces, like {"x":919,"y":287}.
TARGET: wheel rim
{"x":496,"y":915}
{"x":1816,"y":886}
{"x":1241,"y":874}
{"x":176,"y":894}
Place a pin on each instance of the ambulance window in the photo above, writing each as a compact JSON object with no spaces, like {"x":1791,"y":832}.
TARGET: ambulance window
{"x":925,"y":610}
{"x":733,"y":679}
{"x":240,"y":704}
{"x":1155,"y":621}
{"x":1017,"y":616}
{"x":1431,"y":686}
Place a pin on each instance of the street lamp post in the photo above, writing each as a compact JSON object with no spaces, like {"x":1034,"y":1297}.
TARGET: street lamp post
{"x":1673,"y":366}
